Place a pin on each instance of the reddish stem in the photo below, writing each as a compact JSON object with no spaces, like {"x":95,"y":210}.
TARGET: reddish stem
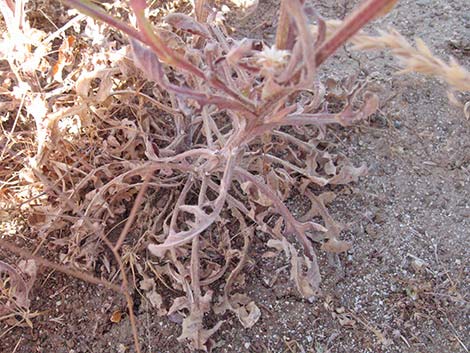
{"x":351,"y":25}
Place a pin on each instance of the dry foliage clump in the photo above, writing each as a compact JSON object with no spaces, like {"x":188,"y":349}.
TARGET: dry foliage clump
{"x":184,"y":143}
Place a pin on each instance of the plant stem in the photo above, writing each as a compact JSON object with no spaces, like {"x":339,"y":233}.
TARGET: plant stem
{"x":350,"y":26}
{"x":200,"y":10}
{"x":282,"y":28}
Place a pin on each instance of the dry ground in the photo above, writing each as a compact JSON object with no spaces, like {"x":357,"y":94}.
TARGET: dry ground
{"x":404,"y":285}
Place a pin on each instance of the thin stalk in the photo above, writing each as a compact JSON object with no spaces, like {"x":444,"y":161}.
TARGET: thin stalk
{"x":159,"y":47}
{"x":135,"y":207}
{"x":200,"y":10}
{"x":92,"y":10}
{"x":285,"y":38}
{"x":366,"y":12}
{"x":83,"y":276}
{"x":283,"y":27}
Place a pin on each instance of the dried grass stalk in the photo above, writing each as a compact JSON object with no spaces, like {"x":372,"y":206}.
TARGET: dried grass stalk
{"x":418,"y":59}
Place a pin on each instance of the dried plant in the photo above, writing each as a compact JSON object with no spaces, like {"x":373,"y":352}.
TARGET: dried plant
{"x":230,"y":99}
{"x":419,"y":59}
{"x":15,"y":285}
{"x":235,"y":128}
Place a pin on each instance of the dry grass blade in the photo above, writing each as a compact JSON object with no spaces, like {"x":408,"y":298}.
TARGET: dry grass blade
{"x":418,"y":59}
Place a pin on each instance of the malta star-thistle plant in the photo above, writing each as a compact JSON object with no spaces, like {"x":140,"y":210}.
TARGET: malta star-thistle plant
{"x":234,"y":147}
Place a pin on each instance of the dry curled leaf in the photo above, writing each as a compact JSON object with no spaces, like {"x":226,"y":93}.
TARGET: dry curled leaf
{"x":116,"y":317}
{"x":346,"y":320}
{"x":66,"y":57}
{"x":21,"y":281}
{"x":246,"y":310}
{"x":248,"y":314}
{"x":193,"y":331}
{"x":186,"y":23}
{"x":255,"y":194}
{"x":307,"y":281}
{"x":336,"y":246}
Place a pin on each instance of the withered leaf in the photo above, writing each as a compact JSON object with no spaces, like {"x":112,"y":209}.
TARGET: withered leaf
{"x":187,"y":23}
{"x":66,"y":57}
{"x":307,"y":282}
{"x":179,"y":303}
{"x":348,"y":174}
{"x":248,"y":313}
{"x":336,"y":246}
{"x":116,"y":316}
{"x":195,"y":334}
{"x":346,"y":320}
{"x":254,"y":193}
{"x":21,"y":287}
{"x":193,"y":329}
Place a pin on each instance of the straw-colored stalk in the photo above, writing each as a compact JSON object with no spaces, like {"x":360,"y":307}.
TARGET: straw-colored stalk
{"x":413,"y":59}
